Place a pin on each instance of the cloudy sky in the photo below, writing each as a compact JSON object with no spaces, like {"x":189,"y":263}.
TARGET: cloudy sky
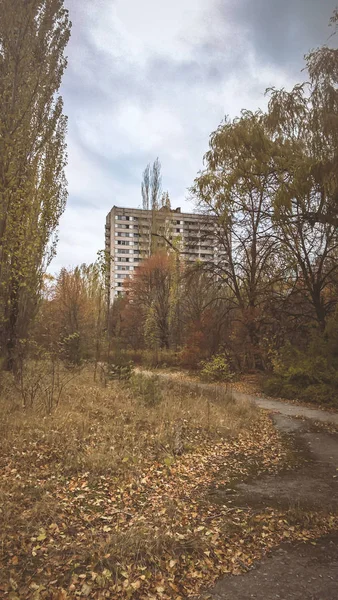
{"x":150,"y":78}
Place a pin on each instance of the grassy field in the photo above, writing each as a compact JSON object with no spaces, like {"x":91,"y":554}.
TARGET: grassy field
{"x":110,"y":496}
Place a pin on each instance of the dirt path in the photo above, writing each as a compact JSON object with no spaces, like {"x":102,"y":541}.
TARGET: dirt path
{"x":303,"y":571}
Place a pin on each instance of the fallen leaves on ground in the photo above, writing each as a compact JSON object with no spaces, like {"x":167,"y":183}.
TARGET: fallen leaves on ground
{"x":148,"y":531}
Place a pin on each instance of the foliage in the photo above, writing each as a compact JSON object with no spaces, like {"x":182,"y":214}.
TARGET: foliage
{"x":235,"y":187}
{"x":41,"y":378}
{"x":73,"y":314}
{"x":71,"y":350}
{"x":309,"y":374}
{"x":119,"y":366}
{"x":120,"y":372}
{"x":153,"y":199}
{"x":216,"y":369}
{"x":147,"y":388}
{"x":270,"y":179}
{"x":148,"y":300}
{"x":33,"y":37}
{"x":191,"y":354}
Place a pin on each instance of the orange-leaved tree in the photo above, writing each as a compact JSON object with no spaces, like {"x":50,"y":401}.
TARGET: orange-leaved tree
{"x":148,"y":300}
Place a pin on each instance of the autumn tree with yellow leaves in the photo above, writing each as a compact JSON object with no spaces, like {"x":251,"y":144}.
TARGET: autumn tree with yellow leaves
{"x":33,"y":38}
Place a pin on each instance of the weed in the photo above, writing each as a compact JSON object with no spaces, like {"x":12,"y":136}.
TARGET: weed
{"x":147,"y":388}
{"x":216,"y":369}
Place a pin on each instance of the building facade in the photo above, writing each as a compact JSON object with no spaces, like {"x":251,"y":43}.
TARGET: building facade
{"x":132,"y":234}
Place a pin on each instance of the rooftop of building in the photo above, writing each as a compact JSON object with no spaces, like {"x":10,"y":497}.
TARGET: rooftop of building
{"x":124,"y":210}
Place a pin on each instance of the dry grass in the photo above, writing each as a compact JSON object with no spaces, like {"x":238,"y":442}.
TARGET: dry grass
{"x":98,"y":429}
{"x":108,"y":496}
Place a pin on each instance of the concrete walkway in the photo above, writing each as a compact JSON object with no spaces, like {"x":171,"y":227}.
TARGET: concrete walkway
{"x":271,"y":404}
{"x":289,"y":410}
{"x":294,"y":571}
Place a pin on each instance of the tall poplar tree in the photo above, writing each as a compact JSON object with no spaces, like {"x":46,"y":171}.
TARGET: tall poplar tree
{"x":33,"y":37}
{"x":151,"y":189}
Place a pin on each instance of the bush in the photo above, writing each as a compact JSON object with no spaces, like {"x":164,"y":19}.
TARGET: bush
{"x":310,"y":375}
{"x":71,"y":349}
{"x":321,"y":393}
{"x":192,"y":354}
{"x":216,"y":369}
{"x":120,"y":372}
{"x":120,"y":367}
{"x":147,"y":388}
{"x":273,"y":386}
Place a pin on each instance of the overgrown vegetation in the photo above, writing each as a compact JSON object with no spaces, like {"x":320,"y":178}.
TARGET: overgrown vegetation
{"x":269,"y":190}
{"x":147,"y":388}
{"x":33,"y":193}
{"x":111,"y":493}
{"x":310,"y":374}
{"x":106,"y":471}
{"x":216,"y":369}
{"x":268,"y":193}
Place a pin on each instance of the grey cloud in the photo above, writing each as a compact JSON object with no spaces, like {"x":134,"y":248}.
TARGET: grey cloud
{"x":192,"y":92}
{"x":281,"y":31}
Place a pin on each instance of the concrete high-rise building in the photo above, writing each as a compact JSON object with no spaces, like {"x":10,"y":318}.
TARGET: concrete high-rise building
{"x":132,"y":233}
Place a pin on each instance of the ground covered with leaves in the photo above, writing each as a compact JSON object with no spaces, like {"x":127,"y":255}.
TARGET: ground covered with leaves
{"x":112,"y":496}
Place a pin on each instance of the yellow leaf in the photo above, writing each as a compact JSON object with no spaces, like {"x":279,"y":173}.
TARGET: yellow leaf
{"x":136,"y":584}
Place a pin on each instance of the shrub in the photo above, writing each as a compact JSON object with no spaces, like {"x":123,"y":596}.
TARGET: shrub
{"x":147,"y":388}
{"x":321,"y":393}
{"x":216,"y":369}
{"x":71,"y":350}
{"x":120,"y":367}
{"x":120,"y":372}
{"x":310,"y":375}
{"x":191,"y":355}
{"x":273,"y":386}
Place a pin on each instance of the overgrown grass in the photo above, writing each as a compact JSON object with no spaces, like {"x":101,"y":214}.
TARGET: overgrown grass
{"x":108,"y":496}
{"x":103,"y":427}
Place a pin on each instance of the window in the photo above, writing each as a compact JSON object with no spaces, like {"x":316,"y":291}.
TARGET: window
{"x":121,"y":268}
{"x":123,"y":251}
{"x":123,"y":243}
{"x":123,"y":218}
{"x":122,"y":234}
{"x":122,"y":259}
